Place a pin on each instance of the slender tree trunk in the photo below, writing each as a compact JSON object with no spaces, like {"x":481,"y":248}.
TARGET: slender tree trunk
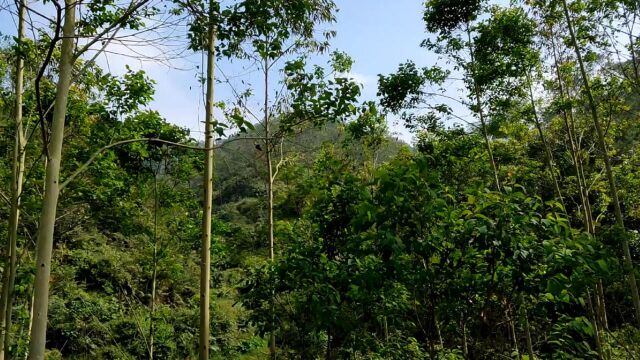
{"x":205,"y":256}
{"x":26,"y":354}
{"x":267,"y":140}
{"x":584,"y":191}
{"x":512,"y":329}
{"x":634,"y":60}
{"x":628,"y":263}
{"x":9,"y":276}
{"x":385,"y":326}
{"x":465,"y":346}
{"x":483,"y":123}
{"x":438,"y":332}
{"x":598,"y":316}
{"x":602,"y":316}
{"x":46,"y":225}
{"x":154,"y":275}
{"x":527,"y":333}
{"x":487,"y":142}
{"x":267,"y":134}
{"x":596,"y":328}
{"x":330,"y":355}
{"x":5,"y":295}
{"x":602,"y":308}
{"x":152,"y":304}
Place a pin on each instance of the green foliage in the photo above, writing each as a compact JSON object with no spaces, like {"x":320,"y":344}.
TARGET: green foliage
{"x":317,"y":97}
{"x":383,"y":251}
{"x":445,"y":16}
{"x":504,"y":47}
{"x":127,"y":94}
{"x":371,"y":269}
{"x":105,"y":13}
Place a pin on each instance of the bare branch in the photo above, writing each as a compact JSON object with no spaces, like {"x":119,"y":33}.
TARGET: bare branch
{"x":4,"y":197}
{"x":275,"y":173}
{"x":115,"y":25}
{"x":45,"y":63}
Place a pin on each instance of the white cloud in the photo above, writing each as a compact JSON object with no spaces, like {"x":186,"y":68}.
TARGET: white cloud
{"x":363,"y":79}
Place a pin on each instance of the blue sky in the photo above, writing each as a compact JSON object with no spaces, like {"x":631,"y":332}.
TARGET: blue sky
{"x":377,"y":34}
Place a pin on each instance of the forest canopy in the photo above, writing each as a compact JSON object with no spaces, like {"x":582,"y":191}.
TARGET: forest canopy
{"x":298,"y":224}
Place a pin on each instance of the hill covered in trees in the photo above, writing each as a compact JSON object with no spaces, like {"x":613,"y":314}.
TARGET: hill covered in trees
{"x":302,"y":229}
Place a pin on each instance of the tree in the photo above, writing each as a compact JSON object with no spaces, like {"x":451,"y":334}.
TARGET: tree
{"x":452,"y":22}
{"x":613,"y":190}
{"x":54,"y":156}
{"x":272,"y":31}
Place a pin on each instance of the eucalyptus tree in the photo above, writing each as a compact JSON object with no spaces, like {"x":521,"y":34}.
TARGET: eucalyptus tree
{"x":204,"y":30}
{"x":273,"y":30}
{"x":265,"y":31}
{"x":100,"y":23}
{"x":453,"y":24}
{"x":505,"y":61}
{"x":604,"y":152}
{"x":506,"y":65}
{"x":268,"y":32}
{"x":205,"y":261}
{"x":562,"y":104}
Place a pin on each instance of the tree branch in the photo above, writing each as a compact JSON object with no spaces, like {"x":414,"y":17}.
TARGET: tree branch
{"x":116,"y":24}
{"x":4,"y":197}
{"x":45,"y":63}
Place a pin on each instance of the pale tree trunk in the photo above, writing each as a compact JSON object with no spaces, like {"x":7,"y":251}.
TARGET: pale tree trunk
{"x":634,"y":60}
{"x":154,"y":274}
{"x":465,"y":346}
{"x":602,"y":309}
{"x":613,"y":190}
{"x":267,"y":141}
{"x":589,"y":223}
{"x":594,"y":323}
{"x":207,"y":204}
{"x":512,"y":330}
{"x":483,"y":122}
{"x":487,"y":142}
{"x":527,"y":327}
{"x":152,"y":304}
{"x":44,"y":247}
{"x":26,"y":354}
{"x":9,"y":275}
{"x":267,"y":134}
{"x":527,"y":331}
{"x":438,"y":332}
